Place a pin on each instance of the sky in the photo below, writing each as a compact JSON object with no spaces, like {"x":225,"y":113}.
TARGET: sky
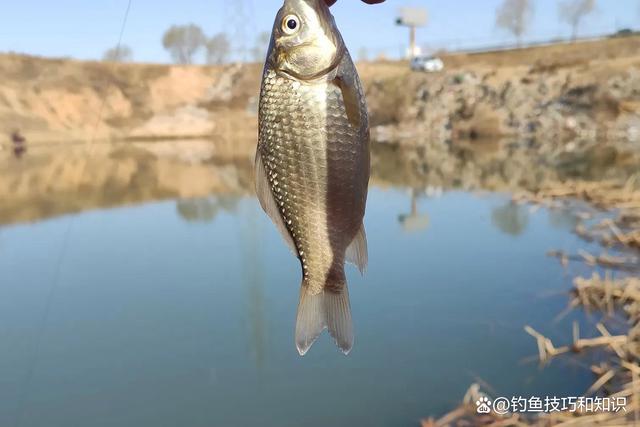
{"x":84,"y":29}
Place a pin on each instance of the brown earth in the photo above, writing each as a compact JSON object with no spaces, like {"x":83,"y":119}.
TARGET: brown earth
{"x":101,"y":135}
{"x":588,"y":89}
{"x":582,"y":89}
{"x":63,"y":100}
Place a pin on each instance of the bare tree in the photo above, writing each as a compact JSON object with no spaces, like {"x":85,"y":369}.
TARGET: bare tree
{"x":259,"y":50}
{"x":118,"y":54}
{"x":218,"y":48}
{"x":515,"y":17}
{"x":183,"y":41}
{"x":573,"y":11}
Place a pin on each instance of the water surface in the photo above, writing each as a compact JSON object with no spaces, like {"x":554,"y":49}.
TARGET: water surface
{"x":182,"y":312}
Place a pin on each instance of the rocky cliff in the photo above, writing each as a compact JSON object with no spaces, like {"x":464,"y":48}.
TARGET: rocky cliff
{"x":559,"y":93}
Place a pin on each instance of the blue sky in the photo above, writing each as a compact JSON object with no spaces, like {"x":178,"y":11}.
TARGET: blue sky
{"x":84,"y":29}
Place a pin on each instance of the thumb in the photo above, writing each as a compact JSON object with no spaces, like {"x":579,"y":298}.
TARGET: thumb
{"x":332,"y":2}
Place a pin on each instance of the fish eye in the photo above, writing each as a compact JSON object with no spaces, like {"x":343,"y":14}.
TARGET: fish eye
{"x":290,"y":24}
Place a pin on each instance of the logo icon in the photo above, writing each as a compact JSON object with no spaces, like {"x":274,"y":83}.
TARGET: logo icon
{"x":501,"y":405}
{"x":484,"y":405}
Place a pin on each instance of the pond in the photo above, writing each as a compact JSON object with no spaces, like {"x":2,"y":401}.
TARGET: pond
{"x":181,"y":311}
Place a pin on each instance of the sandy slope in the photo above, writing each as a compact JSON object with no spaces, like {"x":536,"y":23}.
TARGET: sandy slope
{"x":64,"y":100}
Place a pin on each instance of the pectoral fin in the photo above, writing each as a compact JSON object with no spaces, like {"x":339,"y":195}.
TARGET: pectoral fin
{"x":351,"y":100}
{"x":268,"y":202}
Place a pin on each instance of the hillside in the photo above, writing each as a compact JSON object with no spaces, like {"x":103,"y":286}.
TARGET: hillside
{"x":55,"y":100}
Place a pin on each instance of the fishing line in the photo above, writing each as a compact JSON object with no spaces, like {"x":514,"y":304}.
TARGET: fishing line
{"x":43,"y":324}
{"x":104,"y":98}
{"x":65,"y":243}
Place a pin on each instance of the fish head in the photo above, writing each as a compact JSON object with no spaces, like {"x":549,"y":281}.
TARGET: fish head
{"x":305,"y":41}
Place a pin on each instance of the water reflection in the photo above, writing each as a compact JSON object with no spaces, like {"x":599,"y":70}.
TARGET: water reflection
{"x":165,"y":319}
{"x":205,"y":209}
{"x":254,"y":279}
{"x":511,"y":218}
{"x":563,"y":219}
{"x":130,"y":328}
{"x":49,"y":181}
{"x":414,"y":221}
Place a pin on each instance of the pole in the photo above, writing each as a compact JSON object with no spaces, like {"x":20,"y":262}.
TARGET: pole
{"x":412,"y":41}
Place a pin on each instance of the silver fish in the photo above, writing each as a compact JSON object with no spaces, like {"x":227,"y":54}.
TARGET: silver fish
{"x":312,"y":162}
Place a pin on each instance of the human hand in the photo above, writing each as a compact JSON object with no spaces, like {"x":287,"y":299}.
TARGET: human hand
{"x":331,"y":2}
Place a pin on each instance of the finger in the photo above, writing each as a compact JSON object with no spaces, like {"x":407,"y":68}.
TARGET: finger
{"x":332,"y":2}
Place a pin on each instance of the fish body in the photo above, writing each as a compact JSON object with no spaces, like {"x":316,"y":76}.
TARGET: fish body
{"x":312,"y":162}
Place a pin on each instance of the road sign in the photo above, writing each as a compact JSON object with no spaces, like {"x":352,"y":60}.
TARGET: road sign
{"x":412,"y":16}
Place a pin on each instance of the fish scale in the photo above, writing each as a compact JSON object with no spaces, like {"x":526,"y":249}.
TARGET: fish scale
{"x":299,"y":146}
{"x":312,"y":162}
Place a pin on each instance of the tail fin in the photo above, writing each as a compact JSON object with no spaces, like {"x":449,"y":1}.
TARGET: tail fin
{"x":311,"y":319}
{"x":338,"y":312}
{"x":328,"y":309}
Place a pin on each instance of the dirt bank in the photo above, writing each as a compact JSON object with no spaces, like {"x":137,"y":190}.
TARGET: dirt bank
{"x":52,"y":100}
{"x":562,"y":92}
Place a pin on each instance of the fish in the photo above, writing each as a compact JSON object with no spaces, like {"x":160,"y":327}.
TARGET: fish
{"x":312,"y":163}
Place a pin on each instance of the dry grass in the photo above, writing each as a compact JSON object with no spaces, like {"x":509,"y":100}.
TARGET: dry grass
{"x":617,"y":375}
